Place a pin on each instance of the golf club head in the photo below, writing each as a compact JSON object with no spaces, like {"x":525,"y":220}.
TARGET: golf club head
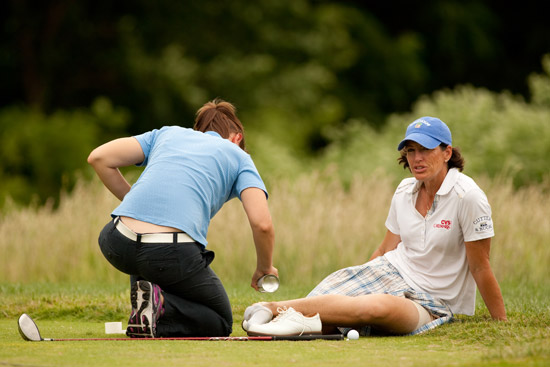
{"x":28,"y":329}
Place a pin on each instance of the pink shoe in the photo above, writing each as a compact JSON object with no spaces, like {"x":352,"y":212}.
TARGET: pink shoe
{"x":146,"y":310}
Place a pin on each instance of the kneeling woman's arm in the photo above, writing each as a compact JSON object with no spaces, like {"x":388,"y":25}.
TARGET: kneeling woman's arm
{"x":255,"y":205}
{"x":109,"y":157}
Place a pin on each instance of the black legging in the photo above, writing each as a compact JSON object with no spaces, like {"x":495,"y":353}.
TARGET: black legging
{"x":195,"y":301}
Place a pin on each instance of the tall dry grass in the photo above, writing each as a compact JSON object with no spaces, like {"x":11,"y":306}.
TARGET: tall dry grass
{"x":43,"y":244}
{"x":320,"y":227}
{"x":520,"y":249}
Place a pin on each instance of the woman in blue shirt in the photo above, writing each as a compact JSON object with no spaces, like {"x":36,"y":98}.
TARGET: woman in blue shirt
{"x":158,"y":232}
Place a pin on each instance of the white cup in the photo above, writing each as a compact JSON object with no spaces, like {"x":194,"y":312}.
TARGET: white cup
{"x":113,"y":328}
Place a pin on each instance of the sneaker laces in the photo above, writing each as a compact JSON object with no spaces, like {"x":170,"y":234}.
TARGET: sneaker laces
{"x":286,"y":311}
{"x":282,"y":311}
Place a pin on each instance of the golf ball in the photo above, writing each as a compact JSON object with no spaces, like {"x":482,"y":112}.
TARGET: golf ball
{"x":353,"y":335}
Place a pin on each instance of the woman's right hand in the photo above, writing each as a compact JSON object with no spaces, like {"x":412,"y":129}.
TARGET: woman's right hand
{"x":259,"y":273}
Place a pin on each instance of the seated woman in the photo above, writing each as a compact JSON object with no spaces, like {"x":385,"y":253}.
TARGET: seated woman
{"x":434,"y":253}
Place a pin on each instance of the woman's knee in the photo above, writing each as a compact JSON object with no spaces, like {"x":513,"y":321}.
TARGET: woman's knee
{"x":391,"y":313}
{"x":375,"y":308}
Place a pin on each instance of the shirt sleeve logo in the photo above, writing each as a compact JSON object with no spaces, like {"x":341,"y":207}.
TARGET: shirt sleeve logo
{"x":445,"y":224}
{"x":483,"y":224}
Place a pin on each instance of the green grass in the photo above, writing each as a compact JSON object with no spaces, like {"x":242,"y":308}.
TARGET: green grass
{"x":53,"y":270}
{"x":80,"y":310}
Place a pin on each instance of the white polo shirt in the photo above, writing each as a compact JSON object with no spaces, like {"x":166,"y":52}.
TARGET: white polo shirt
{"x":432,"y":255}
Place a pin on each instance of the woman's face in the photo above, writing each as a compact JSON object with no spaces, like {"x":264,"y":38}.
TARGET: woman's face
{"x":427,"y":164}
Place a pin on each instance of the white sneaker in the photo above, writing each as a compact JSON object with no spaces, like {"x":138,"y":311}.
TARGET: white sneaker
{"x":289,"y":322}
{"x":256,"y":314}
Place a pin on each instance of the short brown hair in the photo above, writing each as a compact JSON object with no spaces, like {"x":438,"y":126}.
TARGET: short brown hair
{"x":219,"y":116}
{"x":456,"y":161}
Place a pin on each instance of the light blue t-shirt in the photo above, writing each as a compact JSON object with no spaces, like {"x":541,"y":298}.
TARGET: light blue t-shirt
{"x":188,"y":176}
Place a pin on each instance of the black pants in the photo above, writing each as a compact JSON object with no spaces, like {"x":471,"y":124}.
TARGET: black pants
{"x":195,"y":301}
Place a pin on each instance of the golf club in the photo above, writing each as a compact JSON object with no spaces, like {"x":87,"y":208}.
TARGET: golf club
{"x":29,"y":331}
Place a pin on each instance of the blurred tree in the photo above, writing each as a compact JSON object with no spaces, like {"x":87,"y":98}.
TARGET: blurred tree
{"x":486,"y":43}
{"x":162,"y":59}
{"x":43,"y":153}
{"x":315,"y":63}
{"x":296,"y":69}
{"x":58,"y":53}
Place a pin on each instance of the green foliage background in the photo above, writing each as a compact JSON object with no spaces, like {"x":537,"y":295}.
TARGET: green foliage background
{"x":325,"y":89}
{"x":317,"y":83}
{"x":499,"y":134}
{"x":45,"y":153}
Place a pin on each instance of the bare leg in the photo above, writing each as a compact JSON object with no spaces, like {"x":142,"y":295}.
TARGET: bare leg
{"x":393,"y":314}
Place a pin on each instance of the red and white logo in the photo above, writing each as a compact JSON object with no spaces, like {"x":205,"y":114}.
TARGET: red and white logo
{"x":445,"y":224}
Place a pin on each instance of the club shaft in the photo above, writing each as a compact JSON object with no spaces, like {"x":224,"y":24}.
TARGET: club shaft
{"x":228,"y":338}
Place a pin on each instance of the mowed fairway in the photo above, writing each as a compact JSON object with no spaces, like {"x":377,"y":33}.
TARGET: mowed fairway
{"x":470,"y":341}
{"x":65,"y":284}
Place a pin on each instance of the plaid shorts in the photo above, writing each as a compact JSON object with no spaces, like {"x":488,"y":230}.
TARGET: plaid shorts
{"x":379,"y":276}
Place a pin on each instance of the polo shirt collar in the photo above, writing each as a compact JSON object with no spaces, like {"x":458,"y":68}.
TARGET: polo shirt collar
{"x":213,"y":133}
{"x":446,"y":186}
{"x":449,"y":182}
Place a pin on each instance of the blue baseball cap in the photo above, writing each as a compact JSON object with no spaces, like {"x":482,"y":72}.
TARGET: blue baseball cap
{"x":427,"y":131}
